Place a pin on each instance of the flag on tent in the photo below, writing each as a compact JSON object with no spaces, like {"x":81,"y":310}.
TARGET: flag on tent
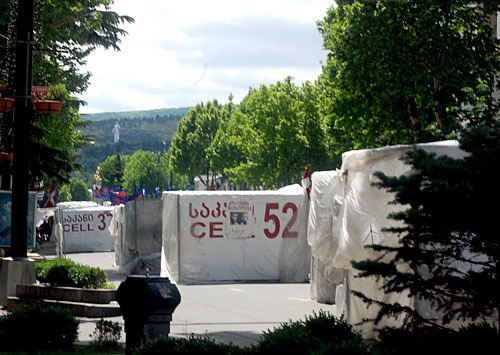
{"x":52,"y":196}
{"x":306,"y":181}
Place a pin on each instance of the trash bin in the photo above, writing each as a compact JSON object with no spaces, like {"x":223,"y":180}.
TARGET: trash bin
{"x":147,"y":304}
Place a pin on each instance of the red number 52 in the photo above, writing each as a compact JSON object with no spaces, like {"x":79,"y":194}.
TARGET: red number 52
{"x":268,"y":216}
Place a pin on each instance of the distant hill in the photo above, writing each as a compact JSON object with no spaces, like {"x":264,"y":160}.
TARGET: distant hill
{"x":147,"y":130}
{"x":94,"y":117}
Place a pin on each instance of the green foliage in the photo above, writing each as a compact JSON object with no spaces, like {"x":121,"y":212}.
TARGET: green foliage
{"x":111,"y":171}
{"x":106,"y":335}
{"x":448,"y":234}
{"x":79,"y":190}
{"x":65,"y":272}
{"x":407,"y":71}
{"x":319,"y":333}
{"x":67,"y":31}
{"x":150,"y":167}
{"x":270,"y":138}
{"x":38,"y":328}
{"x":190,"y":345}
{"x":146,"y":133}
{"x":65,"y":194}
{"x":189,"y":153}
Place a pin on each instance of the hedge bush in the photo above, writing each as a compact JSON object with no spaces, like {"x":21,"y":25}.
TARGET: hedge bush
{"x":66,"y":272}
{"x":38,"y":328}
{"x":190,"y":345}
{"x":318,"y":334}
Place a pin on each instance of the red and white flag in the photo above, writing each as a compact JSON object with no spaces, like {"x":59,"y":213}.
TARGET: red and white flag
{"x":52,"y":197}
{"x":306,"y":181}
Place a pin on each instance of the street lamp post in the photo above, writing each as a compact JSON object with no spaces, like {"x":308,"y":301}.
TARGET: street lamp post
{"x":22,"y":122}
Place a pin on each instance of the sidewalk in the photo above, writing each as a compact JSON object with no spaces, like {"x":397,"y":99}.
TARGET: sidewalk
{"x":228,"y":313}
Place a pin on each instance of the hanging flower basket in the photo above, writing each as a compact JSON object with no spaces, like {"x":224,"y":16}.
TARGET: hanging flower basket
{"x":6,"y":156}
{"x":48,"y":107}
{"x":6,"y":104}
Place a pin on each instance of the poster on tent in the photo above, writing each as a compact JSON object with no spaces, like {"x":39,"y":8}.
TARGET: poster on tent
{"x":6,"y":215}
{"x":241,"y":236}
{"x":86,"y":229}
{"x":239,"y":219}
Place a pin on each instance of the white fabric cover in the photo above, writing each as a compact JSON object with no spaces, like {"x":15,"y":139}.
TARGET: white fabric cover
{"x":136,"y":229}
{"x":83,"y":229}
{"x":362,"y":216}
{"x":203,"y":244}
{"x":326,"y":200}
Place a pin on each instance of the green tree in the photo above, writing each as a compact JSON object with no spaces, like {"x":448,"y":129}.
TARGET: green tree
{"x":448,"y":236}
{"x":189,"y":153}
{"x":65,"y":194}
{"x":112,"y":169}
{"x":79,"y":190}
{"x":149,"y":167}
{"x":408,"y":71}
{"x":273,"y":134}
{"x":66,"y":32}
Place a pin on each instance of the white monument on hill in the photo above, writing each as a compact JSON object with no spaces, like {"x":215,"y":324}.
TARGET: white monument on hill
{"x":116,"y":132}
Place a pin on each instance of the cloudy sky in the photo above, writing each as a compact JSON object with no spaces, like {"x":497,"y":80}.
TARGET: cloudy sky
{"x":179,"y":53}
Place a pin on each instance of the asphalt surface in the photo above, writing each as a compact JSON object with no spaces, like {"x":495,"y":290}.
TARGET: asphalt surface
{"x":235,"y":313}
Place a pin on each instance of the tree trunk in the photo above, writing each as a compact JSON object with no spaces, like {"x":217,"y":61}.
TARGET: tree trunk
{"x":414,"y":117}
{"x":440,"y":103}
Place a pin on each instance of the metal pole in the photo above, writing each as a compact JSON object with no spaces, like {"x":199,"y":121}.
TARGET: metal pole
{"x":22,"y":121}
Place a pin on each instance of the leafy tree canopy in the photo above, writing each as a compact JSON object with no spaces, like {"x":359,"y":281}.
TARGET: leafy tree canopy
{"x":189,"y":153}
{"x":408,"y":71}
{"x":112,"y":169}
{"x":149,"y":168}
{"x":66,"y":32}
{"x":274,"y":132}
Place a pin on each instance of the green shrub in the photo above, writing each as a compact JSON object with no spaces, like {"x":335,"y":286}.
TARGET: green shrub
{"x":38,"y":328}
{"x":320,"y":333}
{"x":190,"y":345}
{"x":106,"y":335}
{"x":65,"y":272}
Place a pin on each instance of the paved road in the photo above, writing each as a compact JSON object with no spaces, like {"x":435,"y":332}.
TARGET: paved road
{"x":237,"y":313}
{"x":228,"y":313}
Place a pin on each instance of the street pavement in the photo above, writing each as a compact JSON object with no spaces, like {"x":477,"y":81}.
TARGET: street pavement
{"x":235,"y":313}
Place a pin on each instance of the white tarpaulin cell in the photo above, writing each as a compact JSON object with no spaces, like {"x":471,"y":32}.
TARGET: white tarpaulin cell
{"x":362,"y":217}
{"x":84,"y":229}
{"x":324,"y":208}
{"x":137,"y":228}
{"x":212,"y":236}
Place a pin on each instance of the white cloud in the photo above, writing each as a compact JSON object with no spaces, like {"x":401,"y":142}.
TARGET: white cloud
{"x":179,"y":53}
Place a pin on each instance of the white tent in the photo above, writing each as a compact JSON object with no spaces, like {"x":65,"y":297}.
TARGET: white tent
{"x":136,"y":228}
{"x":217,"y":236}
{"x":359,"y":214}
{"x":82,"y":227}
